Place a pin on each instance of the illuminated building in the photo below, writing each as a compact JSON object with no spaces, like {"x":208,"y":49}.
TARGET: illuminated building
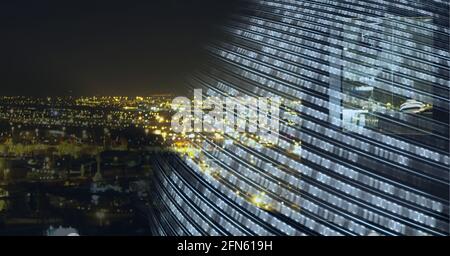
{"x":350,"y":160}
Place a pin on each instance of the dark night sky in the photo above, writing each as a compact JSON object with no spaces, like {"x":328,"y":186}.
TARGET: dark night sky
{"x":102,"y":47}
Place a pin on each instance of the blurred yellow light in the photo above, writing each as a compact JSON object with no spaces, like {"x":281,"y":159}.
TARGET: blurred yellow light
{"x":257,"y":200}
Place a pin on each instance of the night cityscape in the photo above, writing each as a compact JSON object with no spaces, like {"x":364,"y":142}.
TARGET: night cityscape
{"x":228,"y":118}
{"x":73,"y":162}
